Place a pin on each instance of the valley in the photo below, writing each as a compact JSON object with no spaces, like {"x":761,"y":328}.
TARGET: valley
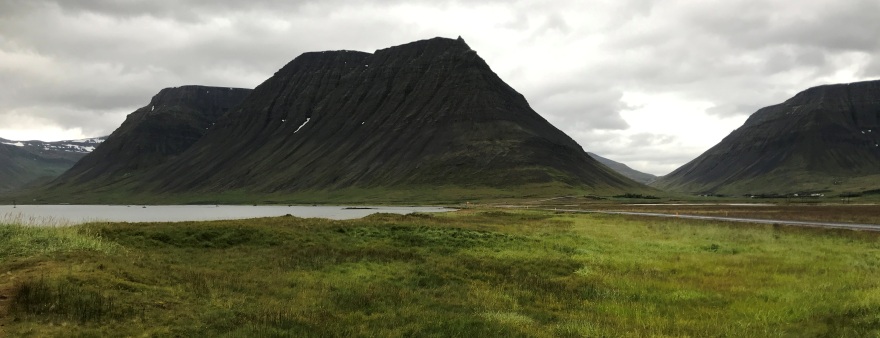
{"x":32,"y":163}
{"x":541,"y":238}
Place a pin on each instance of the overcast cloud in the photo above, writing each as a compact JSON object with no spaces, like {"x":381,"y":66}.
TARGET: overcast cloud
{"x":649,"y":83}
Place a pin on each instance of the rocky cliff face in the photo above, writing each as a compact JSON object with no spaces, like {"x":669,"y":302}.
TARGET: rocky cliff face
{"x":824,"y":138}
{"x":429,"y":112}
{"x":173,"y":120}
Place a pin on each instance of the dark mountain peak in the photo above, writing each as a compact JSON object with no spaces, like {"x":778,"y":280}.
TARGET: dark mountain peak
{"x":422,"y":50}
{"x":834,"y":90}
{"x":215,"y":101}
{"x":316,"y":61}
{"x":437,"y":44}
{"x":428,"y":51}
{"x":849,"y":103}
{"x":174,"y":119}
{"x":817,"y":140}
{"x":425,"y":112}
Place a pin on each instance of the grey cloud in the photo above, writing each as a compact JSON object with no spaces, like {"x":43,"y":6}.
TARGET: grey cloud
{"x":590,"y":109}
{"x":733,"y":109}
{"x":656,"y":154}
{"x":555,"y":22}
{"x":832,"y":25}
{"x":872,"y":70}
{"x":91,"y":122}
{"x":646,"y":139}
{"x":76,"y":65}
{"x":197,"y":10}
{"x":768,"y":49}
{"x":519,"y":22}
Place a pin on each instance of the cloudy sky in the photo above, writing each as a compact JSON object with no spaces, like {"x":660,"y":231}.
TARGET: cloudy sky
{"x":649,"y":83}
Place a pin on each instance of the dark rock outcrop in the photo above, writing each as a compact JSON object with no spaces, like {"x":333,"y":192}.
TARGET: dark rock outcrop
{"x":825,"y":138}
{"x":173,"y":120}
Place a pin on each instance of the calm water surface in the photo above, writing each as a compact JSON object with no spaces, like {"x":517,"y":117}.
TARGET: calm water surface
{"x":54,"y":214}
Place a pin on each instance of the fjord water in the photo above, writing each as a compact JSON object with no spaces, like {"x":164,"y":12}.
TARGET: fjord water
{"x":64,"y":214}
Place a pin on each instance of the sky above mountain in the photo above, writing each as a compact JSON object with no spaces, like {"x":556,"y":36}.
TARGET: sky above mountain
{"x":648,"y":83}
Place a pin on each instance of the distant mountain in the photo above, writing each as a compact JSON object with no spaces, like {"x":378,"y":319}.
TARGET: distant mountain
{"x":425,"y":115}
{"x":173,"y":120}
{"x":25,"y":163}
{"x":625,"y":170}
{"x":825,"y":138}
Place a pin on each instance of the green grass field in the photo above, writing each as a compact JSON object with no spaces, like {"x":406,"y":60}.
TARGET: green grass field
{"x":468,"y":273}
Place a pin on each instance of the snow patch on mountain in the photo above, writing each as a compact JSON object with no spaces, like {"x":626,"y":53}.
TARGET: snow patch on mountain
{"x":77,"y":146}
{"x":302,"y":125}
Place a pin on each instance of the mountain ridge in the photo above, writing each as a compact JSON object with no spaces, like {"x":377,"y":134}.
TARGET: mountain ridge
{"x":824,"y":138}
{"x":430,"y":113}
{"x":174,"y":119}
{"x":625,"y":170}
{"x":29,"y":163}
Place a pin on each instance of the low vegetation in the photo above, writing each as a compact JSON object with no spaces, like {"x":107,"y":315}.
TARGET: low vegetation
{"x":20,"y":238}
{"x":865,"y":214}
{"x":637,"y":196}
{"x":468,"y":273}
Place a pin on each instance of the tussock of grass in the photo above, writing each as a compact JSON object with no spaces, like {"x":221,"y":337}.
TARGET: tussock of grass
{"x":471,"y":273}
{"x":21,"y":238}
{"x":64,"y":299}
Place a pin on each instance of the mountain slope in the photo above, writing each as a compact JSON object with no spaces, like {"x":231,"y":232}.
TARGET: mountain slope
{"x":426,"y":113}
{"x":625,"y":170}
{"x":825,"y":138}
{"x":25,"y":163}
{"x":419,"y":120}
{"x":174,"y":119}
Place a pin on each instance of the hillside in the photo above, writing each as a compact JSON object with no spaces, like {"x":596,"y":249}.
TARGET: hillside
{"x":824,"y":139}
{"x":24,"y":163}
{"x":625,"y":170}
{"x":425,"y":115}
{"x":174,"y":119}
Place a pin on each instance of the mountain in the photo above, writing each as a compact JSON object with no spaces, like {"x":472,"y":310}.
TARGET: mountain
{"x":425,"y":116}
{"x":625,"y":170}
{"x":825,"y":138}
{"x":174,"y":119}
{"x":25,"y":163}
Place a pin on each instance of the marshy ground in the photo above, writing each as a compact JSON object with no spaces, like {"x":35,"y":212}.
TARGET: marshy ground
{"x":475,"y":272}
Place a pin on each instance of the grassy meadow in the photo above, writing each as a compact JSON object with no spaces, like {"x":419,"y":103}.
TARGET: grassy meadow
{"x":467,"y":273}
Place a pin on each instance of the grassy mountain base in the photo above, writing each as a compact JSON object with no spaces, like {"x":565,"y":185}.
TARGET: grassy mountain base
{"x":785,"y":182}
{"x":411,"y":194}
{"x":469,"y":273}
{"x":802,"y":182}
